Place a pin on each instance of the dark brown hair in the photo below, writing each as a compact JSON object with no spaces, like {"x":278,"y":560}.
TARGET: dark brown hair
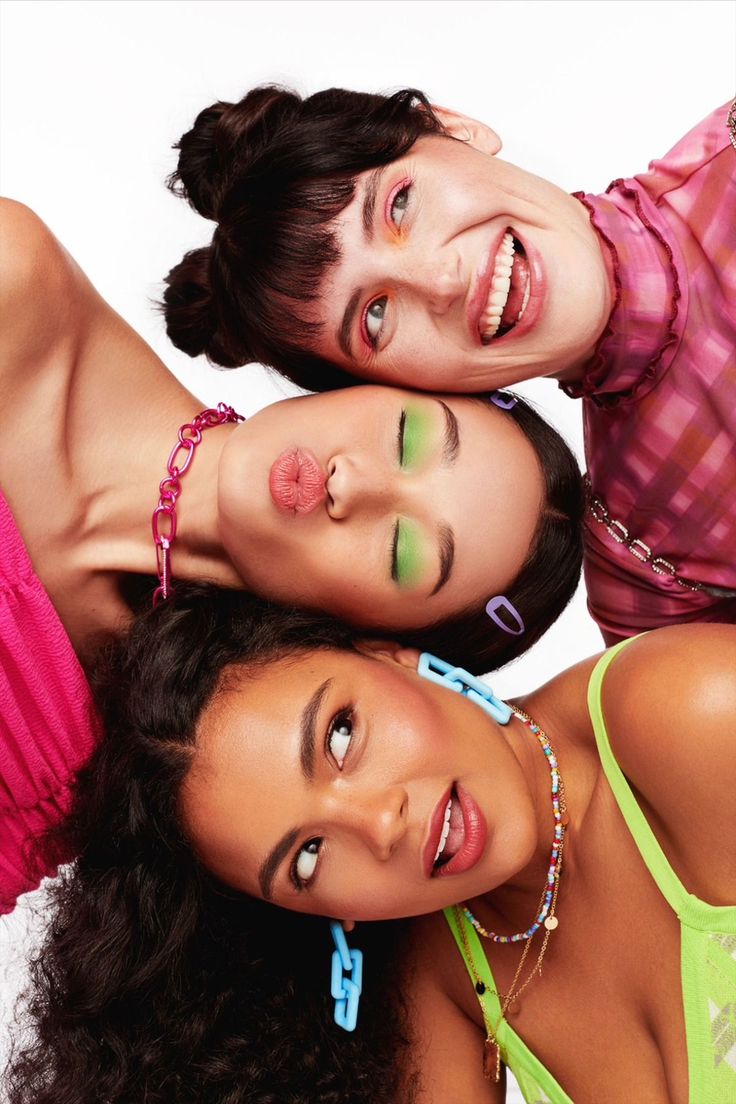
{"x":274,"y":171}
{"x":156,"y":983}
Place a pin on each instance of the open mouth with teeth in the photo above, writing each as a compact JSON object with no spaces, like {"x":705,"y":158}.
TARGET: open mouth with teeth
{"x":509,"y":291}
{"x":452,"y":835}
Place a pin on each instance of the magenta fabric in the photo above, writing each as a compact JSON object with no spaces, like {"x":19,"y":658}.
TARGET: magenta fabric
{"x":660,"y":391}
{"x":48,"y":727}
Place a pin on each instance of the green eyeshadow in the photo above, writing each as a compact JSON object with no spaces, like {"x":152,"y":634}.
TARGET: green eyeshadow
{"x":416,"y":437}
{"x":408,"y":557}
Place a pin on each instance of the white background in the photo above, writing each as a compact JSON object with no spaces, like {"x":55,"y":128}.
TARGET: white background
{"x":93,"y":95}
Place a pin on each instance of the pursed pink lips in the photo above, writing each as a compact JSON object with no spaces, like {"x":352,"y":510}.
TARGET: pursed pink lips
{"x":457,"y":835}
{"x":296,"y":481}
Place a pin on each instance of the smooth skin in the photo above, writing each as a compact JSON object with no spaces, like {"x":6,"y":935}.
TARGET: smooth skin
{"x":91,"y":415}
{"x":605,"y":1016}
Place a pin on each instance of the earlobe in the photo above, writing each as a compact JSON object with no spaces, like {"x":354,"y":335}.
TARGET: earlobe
{"x":478,"y":135}
{"x":348,"y":926}
{"x":390,"y":649}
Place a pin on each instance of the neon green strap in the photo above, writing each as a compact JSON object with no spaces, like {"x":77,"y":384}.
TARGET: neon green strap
{"x":691,"y":910}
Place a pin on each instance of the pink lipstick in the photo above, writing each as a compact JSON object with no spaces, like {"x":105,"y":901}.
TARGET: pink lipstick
{"x":296,"y":481}
{"x":465,"y":840}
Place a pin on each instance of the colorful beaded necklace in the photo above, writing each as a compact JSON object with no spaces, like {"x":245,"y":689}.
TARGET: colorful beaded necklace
{"x":546,"y":914}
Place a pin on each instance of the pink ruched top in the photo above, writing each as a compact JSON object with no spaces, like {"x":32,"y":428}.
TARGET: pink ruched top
{"x":48,"y":727}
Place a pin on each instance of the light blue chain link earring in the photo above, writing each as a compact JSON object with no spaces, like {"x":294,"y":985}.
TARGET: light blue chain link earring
{"x":462,"y":682}
{"x":345,"y":989}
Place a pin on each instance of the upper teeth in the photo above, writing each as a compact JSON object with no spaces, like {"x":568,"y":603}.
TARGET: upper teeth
{"x":445,"y":831}
{"x":498,"y":295}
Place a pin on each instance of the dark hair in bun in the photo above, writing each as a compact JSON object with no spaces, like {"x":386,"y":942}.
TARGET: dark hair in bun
{"x":274,"y":171}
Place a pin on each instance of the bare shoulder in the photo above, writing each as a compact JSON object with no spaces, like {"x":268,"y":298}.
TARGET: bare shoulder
{"x":39,"y":284}
{"x":447,"y":1044}
{"x":669,"y":701}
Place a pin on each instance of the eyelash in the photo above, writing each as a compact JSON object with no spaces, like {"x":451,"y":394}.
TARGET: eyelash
{"x":344,"y":716}
{"x":405,"y":186}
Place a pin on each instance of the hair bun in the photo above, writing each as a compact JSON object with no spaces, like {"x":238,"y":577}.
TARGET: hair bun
{"x":188,"y":303}
{"x":225,"y":139}
{"x":191,"y":311}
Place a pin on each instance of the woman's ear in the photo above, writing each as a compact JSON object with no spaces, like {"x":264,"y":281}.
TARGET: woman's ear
{"x":465,"y":129}
{"x":390,"y":650}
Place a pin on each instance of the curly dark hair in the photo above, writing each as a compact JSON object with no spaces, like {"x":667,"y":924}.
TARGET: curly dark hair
{"x":274,"y":171}
{"x":157,"y":983}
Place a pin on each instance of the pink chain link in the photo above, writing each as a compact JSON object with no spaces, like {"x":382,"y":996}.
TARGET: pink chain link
{"x":169,"y":489}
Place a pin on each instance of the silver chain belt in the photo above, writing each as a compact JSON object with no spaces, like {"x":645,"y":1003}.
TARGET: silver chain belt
{"x":642,"y":551}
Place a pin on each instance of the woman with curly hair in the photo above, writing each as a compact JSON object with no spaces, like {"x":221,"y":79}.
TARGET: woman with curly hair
{"x":452,"y":519}
{"x":381,"y":237}
{"x":263,"y":769}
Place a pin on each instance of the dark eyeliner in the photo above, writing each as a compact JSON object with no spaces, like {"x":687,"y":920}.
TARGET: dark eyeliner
{"x":394,"y":554}
{"x":402,"y":426}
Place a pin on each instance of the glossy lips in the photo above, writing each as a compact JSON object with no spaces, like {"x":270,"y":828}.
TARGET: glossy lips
{"x":502,"y":290}
{"x":466,"y":839}
{"x":296,"y":481}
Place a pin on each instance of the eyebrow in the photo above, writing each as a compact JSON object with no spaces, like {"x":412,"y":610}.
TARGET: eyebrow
{"x":451,"y":443}
{"x":307,"y":741}
{"x":450,"y":452}
{"x":346,"y":326}
{"x":447,"y":557}
{"x":370,"y":195}
{"x":367,"y":215}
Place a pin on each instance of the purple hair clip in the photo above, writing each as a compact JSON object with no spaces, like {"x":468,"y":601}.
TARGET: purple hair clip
{"x":502,"y":400}
{"x":501,"y":602}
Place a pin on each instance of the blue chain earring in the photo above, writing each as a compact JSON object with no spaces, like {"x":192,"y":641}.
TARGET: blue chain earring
{"x":345,"y":989}
{"x":462,"y":682}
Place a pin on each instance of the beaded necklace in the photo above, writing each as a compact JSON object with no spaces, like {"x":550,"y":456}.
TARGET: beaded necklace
{"x":545,"y":914}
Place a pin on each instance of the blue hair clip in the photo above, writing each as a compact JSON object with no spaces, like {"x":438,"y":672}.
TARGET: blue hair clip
{"x":461,"y":681}
{"x":345,"y":990}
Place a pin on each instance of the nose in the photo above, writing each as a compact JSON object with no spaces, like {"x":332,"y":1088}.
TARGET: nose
{"x":357,"y":482}
{"x":438,"y":278}
{"x":381,"y":819}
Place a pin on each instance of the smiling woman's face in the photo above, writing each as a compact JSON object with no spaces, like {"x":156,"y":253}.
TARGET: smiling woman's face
{"x":388,"y":508}
{"x":322,"y":783}
{"x":460,"y":271}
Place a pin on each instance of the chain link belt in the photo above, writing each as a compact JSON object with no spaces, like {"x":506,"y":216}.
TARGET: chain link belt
{"x":642,"y":551}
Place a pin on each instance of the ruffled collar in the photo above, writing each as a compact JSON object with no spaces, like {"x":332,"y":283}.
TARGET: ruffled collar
{"x":643,"y":329}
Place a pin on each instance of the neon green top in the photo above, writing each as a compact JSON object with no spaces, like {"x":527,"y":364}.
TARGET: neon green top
{"x":707,"y":958}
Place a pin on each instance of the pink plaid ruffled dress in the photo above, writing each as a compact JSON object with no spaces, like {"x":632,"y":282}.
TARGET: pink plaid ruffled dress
{"x":659,"y":393}
{"x":48,"y":727}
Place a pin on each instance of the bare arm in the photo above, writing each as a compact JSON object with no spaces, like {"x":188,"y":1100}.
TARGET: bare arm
{"x":39,"y":293}
{"x":670,"y":705}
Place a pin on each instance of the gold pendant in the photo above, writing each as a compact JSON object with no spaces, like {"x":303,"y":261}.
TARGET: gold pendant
{"x":492,"y":1060}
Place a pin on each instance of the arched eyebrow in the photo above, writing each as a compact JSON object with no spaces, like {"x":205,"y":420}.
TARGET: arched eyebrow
{"x":307,"y":742}
{"x":447,"y":556}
